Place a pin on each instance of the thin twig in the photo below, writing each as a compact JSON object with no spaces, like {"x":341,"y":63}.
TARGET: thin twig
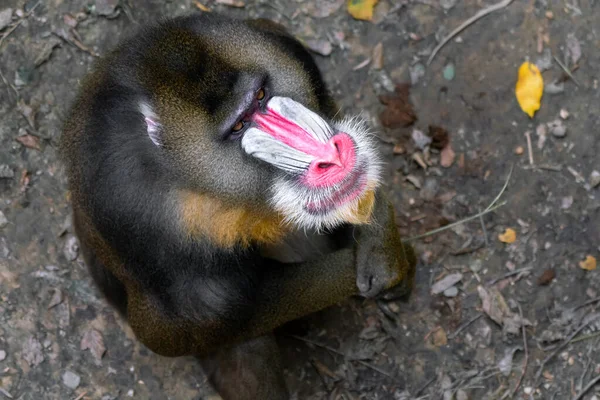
{"x":547,"y":167}
{"x":587,"y":303}
{"x":559,"y":348}
{"x":81,"y":396}
{"x":429,"y":382}
{"x":452,"y":225}
{"x":480,"y":14}
{"x":9,"y":85}
{"x":512,"y":167}
{"x":485,"y":234}
{"x":18,"y":23}
{"x":529,"y":149}
{"x":464,"y":326}
{"x":526,"y":361}
{"x":331,"y":349}
{"x":587,"y":388}
{"x":564,"y":67}
{"x":493,"y":206}
{"x":508,"y":275}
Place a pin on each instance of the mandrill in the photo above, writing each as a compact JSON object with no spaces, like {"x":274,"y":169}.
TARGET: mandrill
{"x":216,"y":196}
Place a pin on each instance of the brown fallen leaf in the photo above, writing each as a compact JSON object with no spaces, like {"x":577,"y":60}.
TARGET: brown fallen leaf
{"x":447,"y":156}
{"x":92,"y":340}
{"x":29,"y":141}
{"x":399,"y":112}
{"x":589,"y":264}
{"x":547,"y":277}
{"x":439,"y":137}
{"x":440,"y":338}
{"x":378,"y":56}
{"x":509,"y":236}
{"x":494,"y":305}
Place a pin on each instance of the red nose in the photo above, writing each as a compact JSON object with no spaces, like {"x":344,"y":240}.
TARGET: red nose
{"x":333,"y":161}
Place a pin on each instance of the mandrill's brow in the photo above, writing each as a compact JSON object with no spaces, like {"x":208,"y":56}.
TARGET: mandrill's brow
{"x":242,"y":101}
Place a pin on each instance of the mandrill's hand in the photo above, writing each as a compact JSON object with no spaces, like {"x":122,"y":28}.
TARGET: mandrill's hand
{"x":383,"y":261}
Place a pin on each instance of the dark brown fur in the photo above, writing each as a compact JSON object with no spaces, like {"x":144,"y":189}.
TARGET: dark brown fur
{"x":177,"y":236}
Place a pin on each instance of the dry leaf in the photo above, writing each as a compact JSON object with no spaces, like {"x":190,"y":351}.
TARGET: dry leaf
{"x":361,"y":9}
{"x":56,"y":299}
{"x":231,"y":3}
{"x":201,"y":6}
{"x":589,"y":264}
{"x":573,"y":48}
{"x":547,"y":277}
{"x":93,"y":341}
{"x":29,"y":141}
{"x":32,"y":352}
{"x":440,"y":338}
{"x":28,"y":112}
{"x":378,"y":56}
{"x":494,"y":305}
{"x":399,"y":112}
{"x":445,"y":283}
{"x":439,"y":137}
{"x":529,"y":88}
{"x":509,"y":236}
{"x":447,"y":156}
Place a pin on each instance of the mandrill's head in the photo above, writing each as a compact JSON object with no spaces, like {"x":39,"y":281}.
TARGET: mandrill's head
{"x":238,"y":111}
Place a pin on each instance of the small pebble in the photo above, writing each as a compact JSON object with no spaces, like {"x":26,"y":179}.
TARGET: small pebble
{"x":528,"y":390}
{"x":564,"y":114}
{"x":6,"y":172}
{"x":5,"y":17}
{"x":449,"y":72}
{"x":566,"y":202}
{"x":3,"y":220}
{"x":2,"y":355}
{"x":595,"y":178}
{"x":130,"y":393}
{"x":571,"y":360}
{"x":451,"y":292}
{"x":549,"y":14}
{"x":71,"y":379}
{"x":394,"y":307}
{"x":557,"y":128}
{"x":421,"y":140}
{"x":519,"y":150}
{"x":71,"y":248}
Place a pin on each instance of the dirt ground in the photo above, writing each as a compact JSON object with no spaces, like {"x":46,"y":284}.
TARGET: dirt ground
{"x":487,"y":320}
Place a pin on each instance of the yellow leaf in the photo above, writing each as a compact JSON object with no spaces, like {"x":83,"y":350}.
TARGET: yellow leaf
{"x":529,"y":89}
{"x":361,"y":9}
{"x":509,"y":236}
{"x":588,"y":264}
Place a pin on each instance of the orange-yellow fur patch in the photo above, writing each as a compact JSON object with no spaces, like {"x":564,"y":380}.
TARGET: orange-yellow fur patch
{"x":226,"y":226}
{"x":364,"y":209}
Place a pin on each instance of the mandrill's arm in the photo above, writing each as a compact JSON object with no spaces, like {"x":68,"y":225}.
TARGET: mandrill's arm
{"x":378,"y":261}
{"x":282,"y":292}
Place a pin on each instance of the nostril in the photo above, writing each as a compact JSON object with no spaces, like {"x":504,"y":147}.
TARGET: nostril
{"x":325,"y":165}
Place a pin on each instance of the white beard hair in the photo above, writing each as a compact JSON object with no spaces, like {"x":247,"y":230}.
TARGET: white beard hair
{"x":290,"y":198}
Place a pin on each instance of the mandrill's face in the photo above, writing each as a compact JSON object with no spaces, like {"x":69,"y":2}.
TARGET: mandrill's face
{"x":257,"y":132}
{"x":328,"y":171}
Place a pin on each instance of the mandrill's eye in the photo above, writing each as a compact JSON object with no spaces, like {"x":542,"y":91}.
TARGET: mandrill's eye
{"x":238,"y":127}
{"x":261,"y":94}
